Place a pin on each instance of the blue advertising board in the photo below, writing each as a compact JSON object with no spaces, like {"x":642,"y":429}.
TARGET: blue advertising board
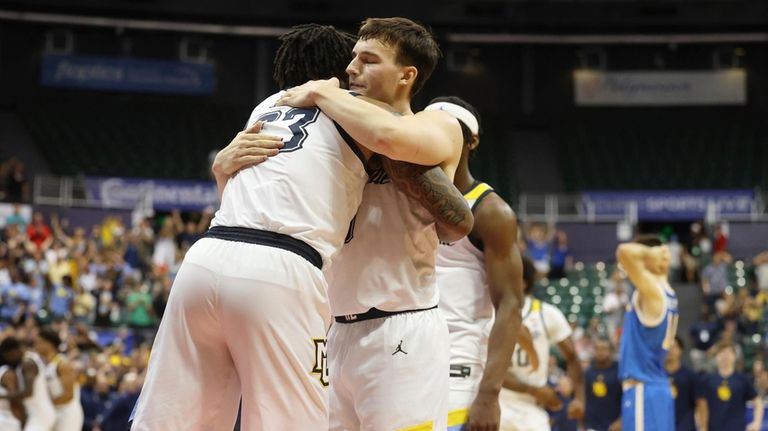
{"x":126,"y":74}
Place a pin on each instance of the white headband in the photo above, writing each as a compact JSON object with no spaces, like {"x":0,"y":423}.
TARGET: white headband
{"x":462,"y":114}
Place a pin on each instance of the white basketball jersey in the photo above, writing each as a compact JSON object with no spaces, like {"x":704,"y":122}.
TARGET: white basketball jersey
{"x":38,"y":404}
{"x":548,"y":327}
{"x":55,"y":388}
{"x":464,"y":296}
{"x":310,"y":191}
{"x":389,"y":261}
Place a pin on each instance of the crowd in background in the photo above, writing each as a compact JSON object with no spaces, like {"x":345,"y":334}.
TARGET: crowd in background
{"x":103,"y":288}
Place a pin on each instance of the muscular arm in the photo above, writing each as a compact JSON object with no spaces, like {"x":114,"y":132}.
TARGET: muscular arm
{"x":431,"y":187}
{"x":11,"y":385}
{"x":67,"y":377}
{"x":428,"y":138}
{"x":631,"y":256}
{"x":497,"y":229}
{"x":29,"y":372}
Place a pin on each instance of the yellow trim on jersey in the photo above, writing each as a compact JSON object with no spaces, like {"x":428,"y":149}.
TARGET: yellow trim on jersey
{"x":477,"y":191}
{"x":535,"y":306}
{"x":458,"y":417}
{"x":426,"y":426}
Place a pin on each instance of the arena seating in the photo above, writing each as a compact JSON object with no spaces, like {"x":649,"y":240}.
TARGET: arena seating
{"x":131,"y":138}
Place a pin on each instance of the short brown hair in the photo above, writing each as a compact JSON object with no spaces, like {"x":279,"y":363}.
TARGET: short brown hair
{"x":725,"y":344}
{"x":649,"y":239}
{"x":414,"y":44}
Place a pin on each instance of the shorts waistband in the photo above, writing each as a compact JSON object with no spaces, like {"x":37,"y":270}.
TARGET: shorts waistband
{"x":375,"y":313}
{"x":460,"y":370}
{"x":270,"y":239}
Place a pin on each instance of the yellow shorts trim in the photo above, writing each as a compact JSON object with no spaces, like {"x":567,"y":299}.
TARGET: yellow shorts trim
{"x":426,"y":426}
{"x":458,"y":417}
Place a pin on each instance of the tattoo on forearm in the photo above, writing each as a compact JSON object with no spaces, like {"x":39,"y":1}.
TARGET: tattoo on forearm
{"x":431,"y":187}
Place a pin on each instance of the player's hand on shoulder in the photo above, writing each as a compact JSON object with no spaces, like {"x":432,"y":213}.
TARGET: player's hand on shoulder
{"x":303,"y":96}
{"x":248,"y":148}
{"x":547,"y":397}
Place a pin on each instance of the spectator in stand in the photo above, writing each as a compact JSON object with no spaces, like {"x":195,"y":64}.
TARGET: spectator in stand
{"x":559,"y":418}
{"x":675,"y":258}
{"x":704,"y":334}
{"x":603,"y":390}
{"x":14,"y":298}
{"x":714,"y":278}
{"x":720,"y":238}
{"x":723,"y":395}
{"x":683,"y":382}
{"x":188,"y":233}
{"x":117,"y":415}
{"x":695,"y":247}
{"x":538,"y":247}
{"x":16,"y":219}
{"x":729,"y":335}
{"x":60,"y":298}
{"x":139,"y":305}
{"x":614,"y":304}
{"x":83,"y":305}
{"x":105,"y":302}
{"x":560,"y":259}
{"x":38,"y":233}
{"x":96,"y":396}
{"x":165,"y":245}
{"x":760,"y":263}
{"x":16,"y":183}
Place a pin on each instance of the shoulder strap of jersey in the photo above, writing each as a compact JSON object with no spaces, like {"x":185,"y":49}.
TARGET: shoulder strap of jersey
{"x":477,"y":192}
{"x":540,"y":308}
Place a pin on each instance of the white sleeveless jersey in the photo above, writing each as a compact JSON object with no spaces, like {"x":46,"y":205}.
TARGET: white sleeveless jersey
{"x":464,"y":296}
{"x":38,"y":404}
{"x":548,"y":327}
{"x":389,"y":260}
{"x":55,"y":388}
{"x":310,"y":191}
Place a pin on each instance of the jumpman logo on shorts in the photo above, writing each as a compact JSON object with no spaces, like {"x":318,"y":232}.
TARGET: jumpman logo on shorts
{"x":399,"y":349}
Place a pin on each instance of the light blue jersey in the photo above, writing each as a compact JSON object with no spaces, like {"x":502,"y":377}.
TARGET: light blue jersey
{"x":644,"y":343}
{"x":647,"y":402}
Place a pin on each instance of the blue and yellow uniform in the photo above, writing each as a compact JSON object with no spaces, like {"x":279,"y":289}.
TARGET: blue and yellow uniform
{"x":726,"y":400}
{"x":603,"y":397}
{"x":683,"y":383}
{"x":647,"y":402}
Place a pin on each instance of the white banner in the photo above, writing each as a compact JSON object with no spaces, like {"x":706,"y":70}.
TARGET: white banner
{"x":597,"y":88}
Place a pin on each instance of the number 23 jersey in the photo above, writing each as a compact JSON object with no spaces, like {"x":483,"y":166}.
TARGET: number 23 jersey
{"x":310,"y":191}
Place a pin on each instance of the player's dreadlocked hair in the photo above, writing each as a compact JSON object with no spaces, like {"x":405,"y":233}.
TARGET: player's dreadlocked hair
{"x":312,"y":51}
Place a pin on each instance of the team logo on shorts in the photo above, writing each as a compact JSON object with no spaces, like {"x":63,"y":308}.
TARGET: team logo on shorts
{"x":321,"y":362}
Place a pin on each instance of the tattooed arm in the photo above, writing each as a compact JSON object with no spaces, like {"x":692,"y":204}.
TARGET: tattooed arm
{"x":431,"y":187}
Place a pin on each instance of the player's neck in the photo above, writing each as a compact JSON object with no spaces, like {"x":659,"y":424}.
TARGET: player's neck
{"x":402,"y":105}
{"x":463,"y":179}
